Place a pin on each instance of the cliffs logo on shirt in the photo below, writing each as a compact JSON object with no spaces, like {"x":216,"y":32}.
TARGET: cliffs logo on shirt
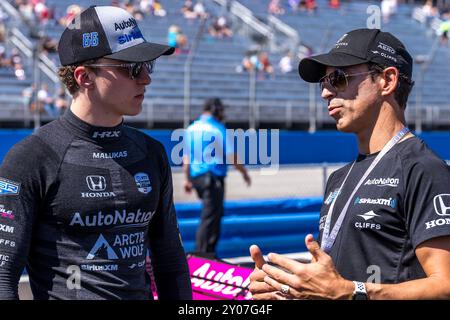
{"x":8,"y":187}
{"x":442,"y":208}
{"x":143,"y":182}
{"x":366,"y":224}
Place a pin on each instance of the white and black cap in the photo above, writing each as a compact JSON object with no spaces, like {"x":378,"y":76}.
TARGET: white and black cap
{"x":357,"y":47}
{"x":106,"y":31}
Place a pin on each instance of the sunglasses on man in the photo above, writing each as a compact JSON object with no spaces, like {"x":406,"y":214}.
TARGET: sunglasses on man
{"x":133,"y":68}
{"x":338,"y":79}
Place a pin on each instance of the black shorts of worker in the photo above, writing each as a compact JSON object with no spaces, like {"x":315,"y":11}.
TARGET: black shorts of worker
{"x":211,"y":190}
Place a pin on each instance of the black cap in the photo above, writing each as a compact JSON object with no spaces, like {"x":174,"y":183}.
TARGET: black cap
{"x":357,"y":47}
{"x":109,"y":32}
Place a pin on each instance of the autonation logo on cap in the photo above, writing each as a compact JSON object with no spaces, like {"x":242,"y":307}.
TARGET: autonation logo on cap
{"x":120,"y":27}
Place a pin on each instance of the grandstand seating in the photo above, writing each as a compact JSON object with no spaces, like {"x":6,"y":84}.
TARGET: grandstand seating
{"x":281,"y":97}
{"x":11,"y":101}
{"x":322,"y":29}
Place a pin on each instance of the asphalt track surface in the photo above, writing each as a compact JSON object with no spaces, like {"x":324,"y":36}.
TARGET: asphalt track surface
{"x":286,"y":182}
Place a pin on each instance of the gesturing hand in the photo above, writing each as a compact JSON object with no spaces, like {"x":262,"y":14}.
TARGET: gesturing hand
{"x":258,"y":287}
{"x":316,"y":280}
{"x":260,"y":290}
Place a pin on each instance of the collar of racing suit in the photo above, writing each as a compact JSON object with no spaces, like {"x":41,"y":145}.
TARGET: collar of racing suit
{"x":90,"y":132}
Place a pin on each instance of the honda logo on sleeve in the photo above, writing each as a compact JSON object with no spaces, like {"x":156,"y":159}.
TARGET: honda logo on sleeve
{"x":96,"y":183}
{"x":442,"y":204}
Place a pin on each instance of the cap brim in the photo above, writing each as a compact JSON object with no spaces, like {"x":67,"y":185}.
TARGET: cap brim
{"x":312,"y":69}
{"x":145,"y":51}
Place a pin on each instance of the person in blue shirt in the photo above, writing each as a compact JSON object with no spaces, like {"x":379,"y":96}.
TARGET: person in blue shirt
{"x":205,"y":169}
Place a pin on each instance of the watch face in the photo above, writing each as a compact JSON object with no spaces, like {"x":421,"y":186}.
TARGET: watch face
{"x":360,"y":296}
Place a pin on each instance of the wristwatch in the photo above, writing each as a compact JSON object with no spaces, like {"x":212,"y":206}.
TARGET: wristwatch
{"x":360,"y":292}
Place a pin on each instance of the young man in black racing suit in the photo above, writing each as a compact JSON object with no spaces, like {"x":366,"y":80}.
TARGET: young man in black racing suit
{"x":84,"y":198}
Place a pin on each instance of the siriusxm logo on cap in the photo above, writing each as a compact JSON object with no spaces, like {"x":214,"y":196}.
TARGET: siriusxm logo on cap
{"x":134,"y":34}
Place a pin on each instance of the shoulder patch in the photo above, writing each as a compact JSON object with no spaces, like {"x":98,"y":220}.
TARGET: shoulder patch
{"x":8,"y":187}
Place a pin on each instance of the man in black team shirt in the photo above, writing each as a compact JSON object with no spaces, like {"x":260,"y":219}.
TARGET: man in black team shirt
{"x":384,"y":224}
{"x":85,"y":197}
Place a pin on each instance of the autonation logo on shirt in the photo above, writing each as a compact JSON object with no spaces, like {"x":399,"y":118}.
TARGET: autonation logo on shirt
{"x":383,"y":182}
{"x":384,"y":202}
{"x":124,"y":217}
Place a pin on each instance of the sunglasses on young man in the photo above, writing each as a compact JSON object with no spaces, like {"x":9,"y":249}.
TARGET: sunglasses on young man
{"x":338,"y":79}
{"x":133,"y":68}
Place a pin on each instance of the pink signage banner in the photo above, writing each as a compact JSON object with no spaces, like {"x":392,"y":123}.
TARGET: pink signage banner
{"x":217,"y":280}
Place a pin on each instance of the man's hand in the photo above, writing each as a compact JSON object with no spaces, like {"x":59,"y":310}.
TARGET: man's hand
{"x":241,"y":168}
{"x":187,"y":186}
{"x":260,"y":290}
{"x":316,"y":280}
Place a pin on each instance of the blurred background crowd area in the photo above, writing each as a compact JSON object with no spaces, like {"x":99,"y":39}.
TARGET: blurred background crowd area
{"x":245,"y":52}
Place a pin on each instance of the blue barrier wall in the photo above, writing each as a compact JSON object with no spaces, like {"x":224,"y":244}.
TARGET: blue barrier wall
{"x":248,"y":222}
{"x":295,"y":147}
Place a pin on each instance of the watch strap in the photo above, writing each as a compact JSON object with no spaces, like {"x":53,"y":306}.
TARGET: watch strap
{"x":360,"y":292}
